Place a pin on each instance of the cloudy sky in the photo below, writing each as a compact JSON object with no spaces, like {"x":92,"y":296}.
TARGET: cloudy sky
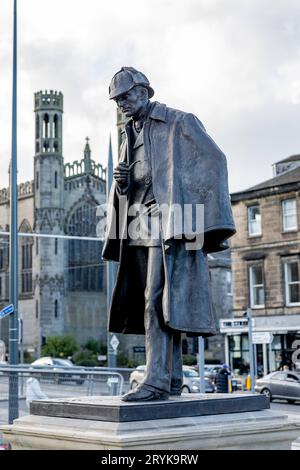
{"x":234,"y":63}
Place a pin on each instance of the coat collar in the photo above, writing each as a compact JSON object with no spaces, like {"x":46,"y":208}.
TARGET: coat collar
{"x":158,"y":112}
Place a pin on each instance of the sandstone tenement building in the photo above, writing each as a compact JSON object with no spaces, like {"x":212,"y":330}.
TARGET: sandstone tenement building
{"x":265,"y":265}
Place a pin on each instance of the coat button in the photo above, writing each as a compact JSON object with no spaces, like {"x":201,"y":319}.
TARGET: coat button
{"x":148,"y":180}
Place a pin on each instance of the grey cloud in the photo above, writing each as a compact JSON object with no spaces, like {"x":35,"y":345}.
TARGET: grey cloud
{"x":233,"y":63}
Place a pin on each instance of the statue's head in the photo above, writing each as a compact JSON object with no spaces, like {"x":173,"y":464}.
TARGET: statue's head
{"x":131,"y":90}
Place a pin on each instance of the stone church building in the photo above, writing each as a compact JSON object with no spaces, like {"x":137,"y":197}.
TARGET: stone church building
{"x":62,"y":284}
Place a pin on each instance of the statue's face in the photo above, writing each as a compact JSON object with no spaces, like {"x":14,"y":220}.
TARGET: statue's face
{"x":132,"y":102}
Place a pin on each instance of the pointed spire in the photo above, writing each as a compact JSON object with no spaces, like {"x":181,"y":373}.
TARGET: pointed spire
{"x":87,"y":149}
{"x":87,"y":157}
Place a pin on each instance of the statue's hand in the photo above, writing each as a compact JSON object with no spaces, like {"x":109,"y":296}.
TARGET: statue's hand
{"x":122,"y":174}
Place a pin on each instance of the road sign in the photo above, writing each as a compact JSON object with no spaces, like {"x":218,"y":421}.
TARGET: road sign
{"x":235,"y":325}
{"x":7,"y":311}
{"x":114,"y":342}
{"x":102,"y":357}
{"x":139,"y":349}
{"x":262,"y":337}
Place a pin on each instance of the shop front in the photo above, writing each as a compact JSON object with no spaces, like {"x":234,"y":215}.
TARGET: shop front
{"x":285,"y":339}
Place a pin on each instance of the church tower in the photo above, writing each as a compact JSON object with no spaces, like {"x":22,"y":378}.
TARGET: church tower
{"x":49,"y":213}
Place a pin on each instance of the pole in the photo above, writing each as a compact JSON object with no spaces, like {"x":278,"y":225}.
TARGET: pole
{"x":265,"y":359}
{"x":255,"y":359}
{"x":13,"y":409}
{"x":251,"y":355}
{"x":201,"y":361}
{"x":111,"y":353}
{"x":227,"y":355}
{"x":271,"y":362}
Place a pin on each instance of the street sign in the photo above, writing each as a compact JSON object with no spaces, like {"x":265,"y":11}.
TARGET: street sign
{"x":262,"y":337}
{"x":114,"y":342}
{"x":102,"y":357}
{"x":234,"y":325}
{"x":7,"y":311}
{"x":139,"y":349}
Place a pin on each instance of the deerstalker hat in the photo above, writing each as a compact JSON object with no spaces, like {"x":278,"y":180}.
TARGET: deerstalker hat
{"x":125,"y":79}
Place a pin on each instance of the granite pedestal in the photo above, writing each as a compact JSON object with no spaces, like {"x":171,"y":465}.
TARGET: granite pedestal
{"x":190,"y":422}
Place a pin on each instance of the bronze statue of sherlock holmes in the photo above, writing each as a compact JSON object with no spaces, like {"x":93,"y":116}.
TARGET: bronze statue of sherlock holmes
{"x":167,"y":161}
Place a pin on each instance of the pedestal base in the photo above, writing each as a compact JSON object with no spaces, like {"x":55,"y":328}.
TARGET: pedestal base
{"x":114,"y":410}
{"x":296,"y":444}
{"x":262,"y":429}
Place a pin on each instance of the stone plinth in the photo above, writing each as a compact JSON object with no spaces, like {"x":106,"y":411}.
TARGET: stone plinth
{"x":106,"y":423}
{"x":114,"y":410}
{"x":296,"y":444}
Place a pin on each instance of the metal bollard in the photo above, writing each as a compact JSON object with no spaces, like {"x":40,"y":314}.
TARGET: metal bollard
{"x":112,"y":383}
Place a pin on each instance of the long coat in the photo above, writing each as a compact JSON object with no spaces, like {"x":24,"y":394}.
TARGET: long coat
{"x":187,"y":168}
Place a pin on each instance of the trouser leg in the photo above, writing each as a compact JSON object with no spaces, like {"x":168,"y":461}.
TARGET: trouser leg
{"x":158,"y":337}
{"x":176,"y":378}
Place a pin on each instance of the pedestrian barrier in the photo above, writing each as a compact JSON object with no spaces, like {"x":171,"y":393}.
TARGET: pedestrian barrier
{"x":59,"y":383}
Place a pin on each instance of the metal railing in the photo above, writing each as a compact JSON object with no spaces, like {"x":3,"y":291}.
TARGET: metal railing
{"x":60,"y":383}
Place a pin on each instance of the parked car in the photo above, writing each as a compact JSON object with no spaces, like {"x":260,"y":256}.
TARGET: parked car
{"x":211,"y":370}
{"x":284,"y":385}
{"x":59,"y":364}
{"x":191,"y":380}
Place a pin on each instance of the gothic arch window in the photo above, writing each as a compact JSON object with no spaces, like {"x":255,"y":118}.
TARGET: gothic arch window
{"x":85,"y":266}
{"x":37,"y":127}
{"x":56,"y":309}
{"x":56,"y":246}
{"x":46,"y":126}
{"x":4,"y":265}
{"x":55,"y":123}
{"x":26,"y":258}
{"x":4,"y":250}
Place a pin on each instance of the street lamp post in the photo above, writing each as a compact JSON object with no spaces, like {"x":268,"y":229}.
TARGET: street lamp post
{"x":13,"y":411}
{"x":201,"y":362}
{"x":111,"y":353}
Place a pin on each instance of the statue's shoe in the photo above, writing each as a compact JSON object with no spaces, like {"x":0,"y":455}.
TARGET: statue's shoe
{"x":144,"y":394}
{"x":175,"y":392}
{"x":176,"y":385}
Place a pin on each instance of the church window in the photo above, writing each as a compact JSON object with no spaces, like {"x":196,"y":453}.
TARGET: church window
{"x":46,"y":125}
{"x":85,"y":267}
{"x":56,"y":309}
{"x":2,"y":254}
{"x":55,"y":180}
{"x":26,"y":259}
{"x":37,"y":127}
{"x":55,"y":126}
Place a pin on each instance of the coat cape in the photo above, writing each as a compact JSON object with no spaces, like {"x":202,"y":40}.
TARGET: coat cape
{"x":187,"y":168}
